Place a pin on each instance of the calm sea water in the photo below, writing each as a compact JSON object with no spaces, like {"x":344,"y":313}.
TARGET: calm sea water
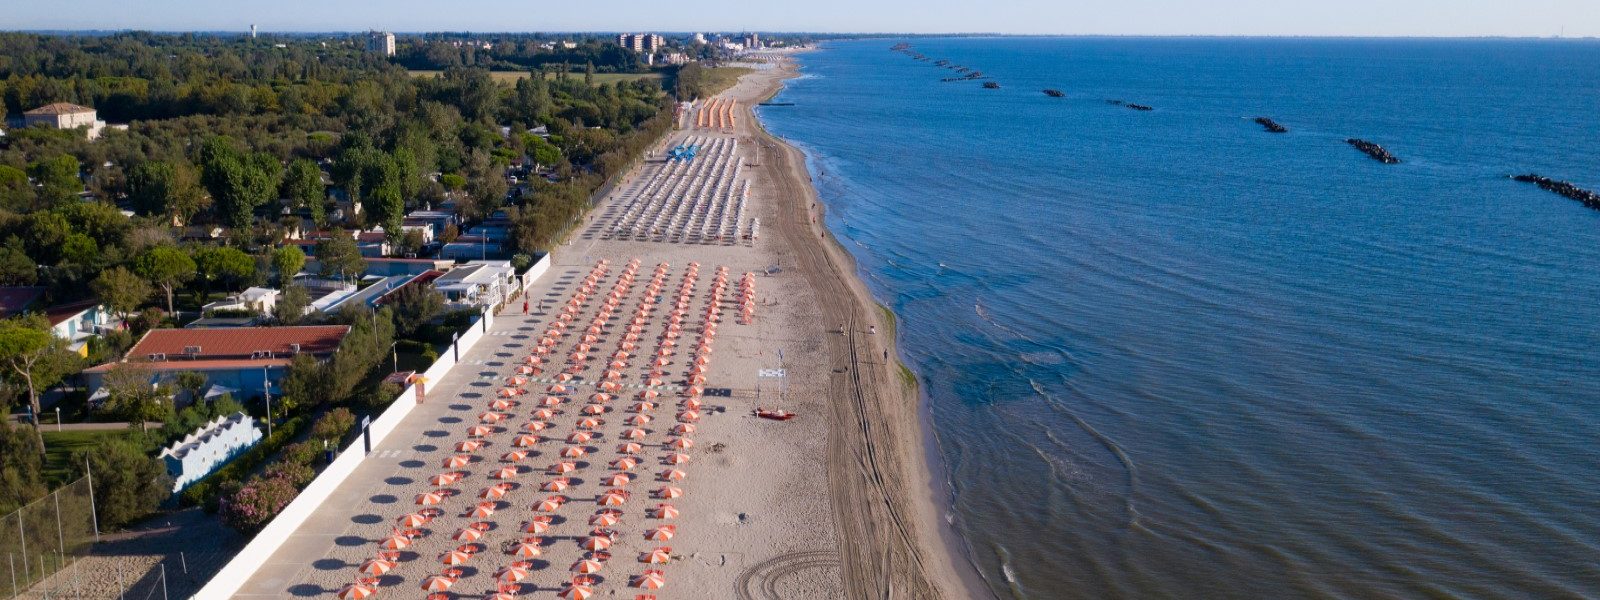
{"x":1170,"y":355}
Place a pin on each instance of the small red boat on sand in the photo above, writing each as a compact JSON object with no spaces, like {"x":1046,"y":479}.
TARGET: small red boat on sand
{"x":776,"y":415}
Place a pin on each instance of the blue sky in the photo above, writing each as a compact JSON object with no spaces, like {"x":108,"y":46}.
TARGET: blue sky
{"x":1111,"y":17}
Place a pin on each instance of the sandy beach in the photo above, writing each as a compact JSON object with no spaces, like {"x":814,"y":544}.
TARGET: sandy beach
{"x":833,"y":503}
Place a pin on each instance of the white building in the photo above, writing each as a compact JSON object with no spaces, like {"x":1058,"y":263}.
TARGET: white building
{"x":698,"y":38}
{"x":208,"y":448}
{"x":258,"y":300}
{"x":478,"y":283}
{"x":641,"y":42}
{"x":64,"y":115}
{"x":381,"y":42}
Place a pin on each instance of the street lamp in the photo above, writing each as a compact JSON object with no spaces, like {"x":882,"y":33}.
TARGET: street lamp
{"x":58,"y":419}
{"x":394,"y":349}
{"x":266,"y":392}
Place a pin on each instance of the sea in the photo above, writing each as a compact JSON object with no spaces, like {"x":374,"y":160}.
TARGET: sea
{"x":1167,"y":354}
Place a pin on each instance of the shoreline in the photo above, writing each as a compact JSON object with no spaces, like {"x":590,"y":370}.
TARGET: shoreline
{"x":940,"y":564}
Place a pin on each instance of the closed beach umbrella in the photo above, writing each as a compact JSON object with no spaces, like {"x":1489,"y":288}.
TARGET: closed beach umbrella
{"x":430,"y":498}
{"x":586,"y":566}
{"x":395,"y":542}
{"x":526,"y":550}
{"x":556,"y":485}
{"x":467,"y":534}
{"x":658,"y":556}
{"x":669,"y":492}
{"x":456,"y":462}
{"x":455,"y":557}
{"x":650,"y":580}
{"x":437,"y":583}
{"x":595,"y":542}
{"x":666,"y":511}
{"x":356,"y":591}
{"x":662,"y":533}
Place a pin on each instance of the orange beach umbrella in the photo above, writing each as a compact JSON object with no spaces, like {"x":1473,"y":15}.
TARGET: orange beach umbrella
{"x":356,"y":591}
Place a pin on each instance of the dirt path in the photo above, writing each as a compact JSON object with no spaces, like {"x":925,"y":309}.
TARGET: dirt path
{"x":876,"y":470}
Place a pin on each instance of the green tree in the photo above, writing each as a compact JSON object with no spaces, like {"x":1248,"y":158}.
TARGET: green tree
{"x":133,"y":396}
{"x":238,"y":183}
{"x":129,"y":482}
{"x":453,"y":182}
{"x":339,"y":255}
{"x":34,"y":356}
{"x":15,"y":266}
{"x":164,"y":188}
{"x":121,"y":290}
{"x":165,"y":267}
{"x":543,"y":152}
{"x":225,"y":266}
{"x":287,"y":261}
{"x":193,"y":382}
{"x":21,"y":468}
{"x":16,"y":192}
{"x":415,"y":305}
{"x":291,"y":305}
{"x":303,"y":384}
{"x":58,"y":178}
{"x":302,"y":182}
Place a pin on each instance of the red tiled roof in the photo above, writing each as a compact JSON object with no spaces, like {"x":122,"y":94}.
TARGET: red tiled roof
{"x":59,"y":108}
{"x":235,"y":343}
{"x":14,"y":300}
{"x":197,"y":365}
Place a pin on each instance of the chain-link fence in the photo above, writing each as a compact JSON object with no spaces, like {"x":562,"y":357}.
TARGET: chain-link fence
{"x":46,"y":536}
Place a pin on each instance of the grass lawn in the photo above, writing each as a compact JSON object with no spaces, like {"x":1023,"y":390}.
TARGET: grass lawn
{"x":59,"y":446}
{"x":722,"y":78}
{"x":513,"y":76}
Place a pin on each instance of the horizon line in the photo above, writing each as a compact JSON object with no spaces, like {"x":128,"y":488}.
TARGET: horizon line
{"x":862,"y":34}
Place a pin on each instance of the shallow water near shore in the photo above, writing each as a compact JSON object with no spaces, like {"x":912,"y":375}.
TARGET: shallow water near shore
{"x":1169,"y":354}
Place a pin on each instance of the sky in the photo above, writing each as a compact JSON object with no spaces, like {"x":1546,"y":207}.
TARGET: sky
{"x":1432,"y":18}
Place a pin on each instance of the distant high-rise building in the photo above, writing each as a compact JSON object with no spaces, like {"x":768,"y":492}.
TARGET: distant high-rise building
{"x":698,"y":38}
{"x":381,"y":42}
{"x":752,"y":41}
{"x":252,"y":31}
{"x":641,"y":42}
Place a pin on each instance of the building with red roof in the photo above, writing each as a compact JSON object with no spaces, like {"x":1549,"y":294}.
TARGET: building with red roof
{"x":242,"y":358}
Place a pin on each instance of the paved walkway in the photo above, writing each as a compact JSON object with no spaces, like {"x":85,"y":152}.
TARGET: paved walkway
{"x":367,"y":496}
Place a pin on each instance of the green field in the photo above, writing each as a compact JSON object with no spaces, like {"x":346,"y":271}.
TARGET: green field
{"x":59,"y":446}
{"x":512,"y":76}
